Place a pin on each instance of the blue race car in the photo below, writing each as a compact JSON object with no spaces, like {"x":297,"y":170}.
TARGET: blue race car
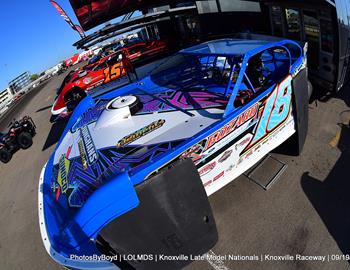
{"x":128,"y":182}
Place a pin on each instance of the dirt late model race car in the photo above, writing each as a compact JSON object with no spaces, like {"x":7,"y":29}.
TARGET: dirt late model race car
{"x":114,"y":66}
{"x":77,"y":83}
{"x":132,"y":173}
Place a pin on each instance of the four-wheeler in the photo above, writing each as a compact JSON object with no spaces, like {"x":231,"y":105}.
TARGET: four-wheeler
{"x":109,"y":68}
{"x":20,"y":135}
{"x":132,"y":173}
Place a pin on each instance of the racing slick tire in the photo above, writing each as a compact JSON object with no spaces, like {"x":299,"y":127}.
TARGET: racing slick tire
{"x":73,"y":97}
{"x":53,"y":118}
{"x":5,"y":155}
{"x":309,"y":89}
{"x":25,"y":140}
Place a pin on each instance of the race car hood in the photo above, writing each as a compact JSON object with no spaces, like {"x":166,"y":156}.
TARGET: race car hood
{"x":105,"y":143}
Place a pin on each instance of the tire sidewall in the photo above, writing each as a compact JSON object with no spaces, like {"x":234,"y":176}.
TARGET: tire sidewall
{"x":5,"y":156}
{"x":24,"y":140}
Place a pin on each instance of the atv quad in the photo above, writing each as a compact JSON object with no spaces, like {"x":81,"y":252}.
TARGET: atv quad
{"x":20,"y":135}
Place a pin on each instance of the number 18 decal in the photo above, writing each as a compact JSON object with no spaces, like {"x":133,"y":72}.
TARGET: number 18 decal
{"x":276,"y":110}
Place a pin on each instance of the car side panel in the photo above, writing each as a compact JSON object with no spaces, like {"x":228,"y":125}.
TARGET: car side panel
{"x":268,"y":126}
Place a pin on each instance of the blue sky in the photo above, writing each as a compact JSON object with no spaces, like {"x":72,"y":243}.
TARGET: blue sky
{"x":33,"y":37}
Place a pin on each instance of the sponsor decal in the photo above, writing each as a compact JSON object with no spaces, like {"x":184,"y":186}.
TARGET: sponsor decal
{"x":62,"y":178}
{"x":196,"y":152}
{"x":68,"y":151}
{"x":140,"y":133}
{"x":303,"y":64}
{"x":225,"y":156}
{"x":249,"y":154}
{"x":207,"y":183}
{"x":89,"y":147}
{"x":84,"y":162}
{"x":87,"y":80}
{"x":243,"y":143}
{"x":94,"y":85}
{"x":216,"y":178}
{"x":230,"y":168}
{"x":207,"y":168}
{"x":211,"y":150}
{"x":251,"y":113}
{"x":102,"y":107}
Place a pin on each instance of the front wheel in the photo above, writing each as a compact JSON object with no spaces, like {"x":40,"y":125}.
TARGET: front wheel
{"x":24,"y":140}
{"x":73,"y":98}
{"x":5,"y":155}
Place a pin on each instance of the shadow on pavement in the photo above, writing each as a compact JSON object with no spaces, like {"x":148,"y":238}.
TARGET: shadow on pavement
{"x":330,"y":197}
{"x":323,"y":95}
{"x":55,"y":133}
{"x":43,"y":108}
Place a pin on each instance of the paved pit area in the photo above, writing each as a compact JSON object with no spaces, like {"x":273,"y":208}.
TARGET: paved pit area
{"x":307,"y":212}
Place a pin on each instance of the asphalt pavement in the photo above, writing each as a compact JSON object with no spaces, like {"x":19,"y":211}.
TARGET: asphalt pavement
{"x":305,"y":213}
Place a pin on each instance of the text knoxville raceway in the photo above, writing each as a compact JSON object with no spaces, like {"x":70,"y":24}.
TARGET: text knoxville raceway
{"x":135,"y":166}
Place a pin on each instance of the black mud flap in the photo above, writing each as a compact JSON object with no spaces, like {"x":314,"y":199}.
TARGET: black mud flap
{"x":301,"y":107}
{"x":174,"y":218}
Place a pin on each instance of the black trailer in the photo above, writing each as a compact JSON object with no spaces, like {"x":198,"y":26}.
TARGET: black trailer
{"x":324,"y":24}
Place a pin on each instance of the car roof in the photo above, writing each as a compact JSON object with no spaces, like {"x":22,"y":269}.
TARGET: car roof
{"x":226,"y":47}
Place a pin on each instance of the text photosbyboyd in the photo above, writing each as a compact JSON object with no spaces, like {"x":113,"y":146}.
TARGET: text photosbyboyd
{"x":211,"y":257}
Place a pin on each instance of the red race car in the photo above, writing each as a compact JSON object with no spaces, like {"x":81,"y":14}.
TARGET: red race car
{"x":109,"y":68}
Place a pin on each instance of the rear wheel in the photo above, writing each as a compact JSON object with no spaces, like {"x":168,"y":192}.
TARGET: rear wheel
{"x":5,"y":155}
{"x":24,"y":140}
{"x":309,"y":89}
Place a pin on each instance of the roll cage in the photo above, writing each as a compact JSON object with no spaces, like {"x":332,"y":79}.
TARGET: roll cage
{"x":293,"y":56}
{"x":239,"y":78}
